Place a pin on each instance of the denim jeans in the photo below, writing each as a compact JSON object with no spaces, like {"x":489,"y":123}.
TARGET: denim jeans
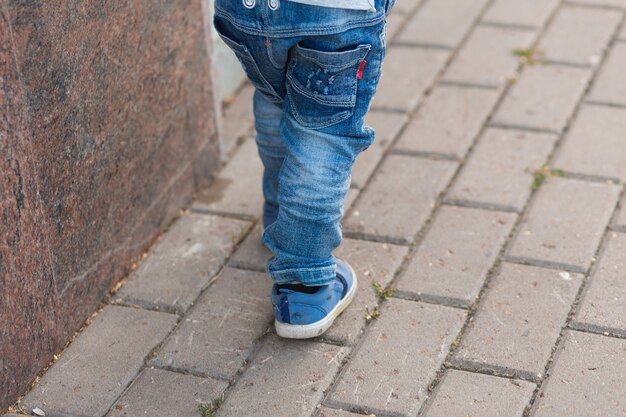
{"x":315,"y":70}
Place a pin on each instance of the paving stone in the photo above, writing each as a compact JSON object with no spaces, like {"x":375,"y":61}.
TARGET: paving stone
{"x":498,"y":173}
{"x":183,"y":262}
{"x":387,"y":126}
{"x":449,"y":121}
{"x":589,"y":379}
{"x":400,"y":356}
{"x":521,"y":13}
{"x":622,"y":35}
{"x":610,"y":84}
{"x":543,"y":98}
{"x":251,"y":253}
{"x":620,"y":218}
{"x":487,"y":57}
{"x":394,"y":24}
{"x":286,"y":378}
{"x":405,"y":6}
{"x":609,"y":3}
{"x":552,"y":232}
{"x":158,"y":392}
{"x":237,"y":188}
{"x":407,"y":73}
{"x":602,"y":306}
{"x":102,"y":361}
{"x":519,"y":320}
{"x":400,"y":197}
{"x":329,"y":412}
{"x":353,"y":193}
{"x":442,"y":23}
{"x":217,"y":335}
{"x":453,"y":259}
{"x":463,"y":394}
{"x":372,"y":262}
{"x":237,"y":120}
{"x":565,"y":31}
{"x":595,"y":145}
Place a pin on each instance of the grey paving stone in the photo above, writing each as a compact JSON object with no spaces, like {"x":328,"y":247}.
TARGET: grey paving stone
{"x":453,"y":259}
{"x":399,"y":198}
{"x":609,"y":3}
{"x":610,"y":84}
{"x":589,"y":379}
{"x":330,"y":412}
{"x":395,"y":21}
{"x":602,"y":306}
{"x":464,"y":394}
{"x":553,"y":232}
{"x":183,"y":262}
{"x":449,"y":121}
{"x":158,"y":392}
{"x":407,"y":73}
{"x":387,"y":126}
{"x":622,"y":35}
{"x":217,"y":335}
{"x":353,"y":193}
{"x":372,"y":262}
{"x":487,"y":57}
{"x":499,"y":171}
{"x":251,"y":253}
{"x":237,"y":120}
{"x":543,"y":98}
{"x":400,"y":356}
{"x":519,"y":320}
{"x":286,"y":378}
{"x":237,"y":188}
{"x":94,"y":370}
{"x":565,"y":31}
{"x":595,"y":145}
{"x":405,"y":6}
{"x":442,"y":22}
{"x":522,"y":13}
{"x":620,"y":218}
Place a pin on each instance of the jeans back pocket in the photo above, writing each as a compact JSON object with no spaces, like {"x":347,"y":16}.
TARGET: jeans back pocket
{"x":322,"y":86}
{"x":247,"y":61}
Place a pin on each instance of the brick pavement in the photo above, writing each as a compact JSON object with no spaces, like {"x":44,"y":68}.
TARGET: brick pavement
{"x":511,"y":298}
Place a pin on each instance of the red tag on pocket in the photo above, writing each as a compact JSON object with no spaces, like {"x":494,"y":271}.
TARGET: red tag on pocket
{"x":359,"y":74}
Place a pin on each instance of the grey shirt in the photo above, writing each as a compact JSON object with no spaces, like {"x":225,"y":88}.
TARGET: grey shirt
{"x":341,"y":4}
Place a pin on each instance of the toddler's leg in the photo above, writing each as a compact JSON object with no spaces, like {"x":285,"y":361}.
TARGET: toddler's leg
{"x":330,"y":82}
{"x":272,"y":151}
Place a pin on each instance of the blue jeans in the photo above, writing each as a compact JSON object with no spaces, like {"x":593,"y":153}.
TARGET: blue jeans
{"x":315,"y":70}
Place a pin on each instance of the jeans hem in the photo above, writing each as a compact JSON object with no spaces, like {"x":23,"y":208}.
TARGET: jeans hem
{"x":305,"y":276}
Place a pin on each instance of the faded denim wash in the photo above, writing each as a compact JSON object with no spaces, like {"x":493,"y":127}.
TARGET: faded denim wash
{"x":315,"y":70}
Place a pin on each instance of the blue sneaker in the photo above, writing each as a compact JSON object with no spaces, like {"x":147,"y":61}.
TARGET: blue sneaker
{"x":302,"y":315}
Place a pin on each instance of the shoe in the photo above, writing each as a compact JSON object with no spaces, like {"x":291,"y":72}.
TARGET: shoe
{"x":305,"y":312}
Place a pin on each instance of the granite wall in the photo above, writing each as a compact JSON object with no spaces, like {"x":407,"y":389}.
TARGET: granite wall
{"x":106,"y":130}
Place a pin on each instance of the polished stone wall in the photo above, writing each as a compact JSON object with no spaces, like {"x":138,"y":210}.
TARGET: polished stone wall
{"x":106,"y":130}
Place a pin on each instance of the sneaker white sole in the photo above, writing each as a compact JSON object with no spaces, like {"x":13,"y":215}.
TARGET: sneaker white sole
{"x":308,"y":331}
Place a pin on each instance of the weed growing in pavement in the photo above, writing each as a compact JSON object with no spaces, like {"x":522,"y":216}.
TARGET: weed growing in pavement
{"x":540,"y":175}
{"x":381,"y":292}
{"x":529,"y":56}
{"x":208,"y":409}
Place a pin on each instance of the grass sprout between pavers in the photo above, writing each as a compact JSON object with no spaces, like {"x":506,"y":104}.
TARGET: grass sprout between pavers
{"x":529,"y":56}
{"x":208,"y":409}
{"x":540,"y":175}
{"x":384,"y":293}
